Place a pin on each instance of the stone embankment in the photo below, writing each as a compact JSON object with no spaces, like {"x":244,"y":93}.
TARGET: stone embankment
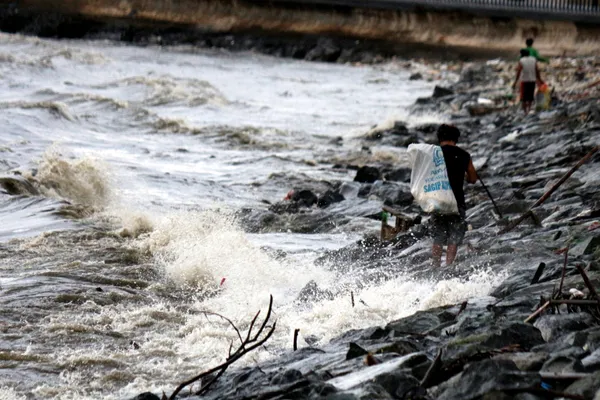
{"x":293,"y":30}
{"x":537,"y":334}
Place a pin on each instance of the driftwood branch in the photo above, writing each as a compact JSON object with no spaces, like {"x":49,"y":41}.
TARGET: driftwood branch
{"x":537,"y":312}
{"x":538,"y":273}
{"x":207,"y":313}
{"x":432,"y":370}
{"x":587,"y":282}
{"x":246,"y":346}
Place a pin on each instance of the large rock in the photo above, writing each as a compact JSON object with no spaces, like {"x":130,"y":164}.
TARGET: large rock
{"x":527,"y":362}
{"x":328,"y":198}
{"x":418,"y":323}
{"x":146,"y":396}
{"x":586,"y":387}
{"x":398,"y":384}
{"x":398,"y":175}
{"x":440,"y":91}
{"x":312,"y":293}
{"x":325,"y":50}
{"x":587,"y":246}
{"x":286,"y":377}
{"x":592,"y":362}
{"x":562,"y":364}
{"x":554,"y":326}
{"x":367,"y":174}
{"x":488,"y":376}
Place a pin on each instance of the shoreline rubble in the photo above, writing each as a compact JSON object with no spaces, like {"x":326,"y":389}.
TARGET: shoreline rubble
{"x":526,"y":340}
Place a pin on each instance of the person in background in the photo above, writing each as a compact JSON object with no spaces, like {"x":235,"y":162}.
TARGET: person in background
{"x":529,"y":73}
{"x":450,"y":229}
{"x":533,"y":52}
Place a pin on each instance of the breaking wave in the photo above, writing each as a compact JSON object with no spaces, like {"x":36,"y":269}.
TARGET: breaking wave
{"x":166,"y":89}
{"x":83,"y":181}
{"x":198,"y":249}
{"x":56,"y":107}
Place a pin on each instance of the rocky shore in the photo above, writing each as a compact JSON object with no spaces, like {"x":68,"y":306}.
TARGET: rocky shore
{"x":493,"y":347}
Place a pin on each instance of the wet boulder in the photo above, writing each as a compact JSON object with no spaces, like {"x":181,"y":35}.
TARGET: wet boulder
{"x":398,"y":384}
{"x":562,"y":364}
{"x":311,"y":293}
{"x":554,"y":326}
{"x":398,"y":129}
{"x":488,"y":376}
{"x":591,"y":362}
{"x":392,"y":193}
{"x":328,"y":198}
{"x":418,"y":323}
{"x":367,"y":174}
{"x":146,"y":396}
{"x":525,"y":361}
{"x":286,"y":377}
{"x":355,"y":351}
{"x":306,"y":198}
{"x":325,"y":50}
{"x":440,"y":91}
{"x":398,"y":175}
{"x":587,"y":246}
{"x":586,"y":387}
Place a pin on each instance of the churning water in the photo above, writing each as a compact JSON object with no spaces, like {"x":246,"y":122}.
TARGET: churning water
{"x":121,"y":228}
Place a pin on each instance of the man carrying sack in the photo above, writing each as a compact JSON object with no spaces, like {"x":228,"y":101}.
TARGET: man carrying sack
{"x":437,"y":178}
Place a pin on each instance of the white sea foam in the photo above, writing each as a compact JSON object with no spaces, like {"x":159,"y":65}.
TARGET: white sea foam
{"x":8,"y":393}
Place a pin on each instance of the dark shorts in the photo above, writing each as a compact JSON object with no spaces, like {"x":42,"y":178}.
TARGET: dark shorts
{"x":448,"y":229}
{"x":527,"y":91}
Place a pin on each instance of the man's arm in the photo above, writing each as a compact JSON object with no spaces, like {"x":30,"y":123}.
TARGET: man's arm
{"x":471,"y":173}
{"x":537,"y":56}
{"x":519,"y":69}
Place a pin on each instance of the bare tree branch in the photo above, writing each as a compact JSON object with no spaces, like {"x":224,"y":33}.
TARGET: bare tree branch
{"x":247,"y":345}
{"x":226,"y":319}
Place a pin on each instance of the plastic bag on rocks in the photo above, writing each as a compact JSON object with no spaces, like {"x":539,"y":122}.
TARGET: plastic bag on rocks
{"x":429,"y":182}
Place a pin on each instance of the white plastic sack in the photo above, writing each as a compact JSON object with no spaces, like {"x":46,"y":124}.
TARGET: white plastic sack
{"x":429,"y":182}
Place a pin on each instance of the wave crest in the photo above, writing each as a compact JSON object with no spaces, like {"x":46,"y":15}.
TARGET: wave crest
{"x":82,"y":181}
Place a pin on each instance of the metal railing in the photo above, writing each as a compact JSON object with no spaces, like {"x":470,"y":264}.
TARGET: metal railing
{"x":571,"y":10}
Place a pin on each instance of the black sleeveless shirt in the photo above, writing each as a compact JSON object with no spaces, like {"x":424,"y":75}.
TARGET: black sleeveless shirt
{"x":457,"y":161}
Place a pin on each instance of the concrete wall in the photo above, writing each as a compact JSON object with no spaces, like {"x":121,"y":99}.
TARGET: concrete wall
{"x":437,"y":28}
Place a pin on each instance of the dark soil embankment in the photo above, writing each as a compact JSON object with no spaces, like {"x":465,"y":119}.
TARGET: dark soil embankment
{"x":355,"y":35}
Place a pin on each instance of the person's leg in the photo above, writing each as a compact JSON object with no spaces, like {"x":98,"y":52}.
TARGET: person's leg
{"x":456,"y":232}
{"x":436,"y":255}
{"x":439,"y":232}
{"x":451,"y":253}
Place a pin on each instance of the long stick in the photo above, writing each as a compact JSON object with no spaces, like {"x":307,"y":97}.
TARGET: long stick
{"x":587,"y":282}
{"x":296,"y":331}
{"x":490,"y":196}
{"x":537,"y":312}
{"x":542,"y":199}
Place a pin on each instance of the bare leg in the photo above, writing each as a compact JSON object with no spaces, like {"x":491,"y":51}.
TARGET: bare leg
{"x":436,"y":253}
{"x":451,"y":253}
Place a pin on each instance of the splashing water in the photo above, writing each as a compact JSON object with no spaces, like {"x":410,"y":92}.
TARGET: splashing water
{"x":82,"y":181}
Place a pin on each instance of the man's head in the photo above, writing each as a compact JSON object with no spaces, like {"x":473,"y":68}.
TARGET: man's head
{"x":448,"y":133}
{"x":529,"y":42}
{"x":525,"y":53}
